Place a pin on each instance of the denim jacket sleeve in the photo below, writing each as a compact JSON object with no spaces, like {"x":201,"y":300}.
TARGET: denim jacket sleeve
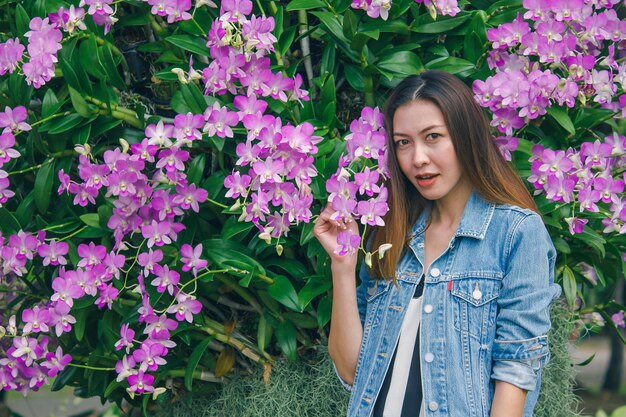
{"x":361,"y":293}
{"x":520,"y":348}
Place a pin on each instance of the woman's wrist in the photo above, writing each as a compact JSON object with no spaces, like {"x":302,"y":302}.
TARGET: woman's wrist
{"x":343,"y":268}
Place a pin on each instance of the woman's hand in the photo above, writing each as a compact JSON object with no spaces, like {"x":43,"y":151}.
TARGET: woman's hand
{"x":326,"y":231}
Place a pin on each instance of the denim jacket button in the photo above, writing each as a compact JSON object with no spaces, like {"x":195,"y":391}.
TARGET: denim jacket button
{"x":435,"y":272}
{"x":428,"y":308}
{"x":433,"y":406}
{"x":429,"y":357}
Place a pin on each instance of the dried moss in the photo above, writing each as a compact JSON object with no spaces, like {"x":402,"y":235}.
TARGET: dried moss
{"x":557,"y":398}
{"x":302,"y":389}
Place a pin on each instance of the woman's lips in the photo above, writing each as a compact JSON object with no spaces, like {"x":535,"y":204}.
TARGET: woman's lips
{"x":425,"y":181}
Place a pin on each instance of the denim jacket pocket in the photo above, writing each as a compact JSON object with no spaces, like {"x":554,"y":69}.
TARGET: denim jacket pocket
{"x":376,"y":289}
{"x":474,"y":303}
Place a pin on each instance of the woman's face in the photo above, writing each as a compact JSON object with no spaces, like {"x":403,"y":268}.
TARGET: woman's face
{"x":426,"y":153}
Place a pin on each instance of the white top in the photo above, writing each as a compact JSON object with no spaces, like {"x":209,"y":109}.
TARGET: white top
{"x":402,"y":364}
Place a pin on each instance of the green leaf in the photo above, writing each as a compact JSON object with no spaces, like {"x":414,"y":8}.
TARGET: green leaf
{"x":307,"y":233}
{"x":228,"y":253}
{"x":425,"y":24}
{"x":562,"y":119}
{"x":113,"y":385}
{"x":286,"y":337}
{"x":329,"y":113}
{"x":324,"y":309}
{"x":167,"y":74}
{"x":50,"y":104}
{"x":390,"y":26}
{"x":358,"y":42}
{"x":21,"y":19}
{"x":264,"y":333}
{"x":472,"y":47}
{"x":590,"y":117}
{"x":196,"y":169}
{"x":91,"y":220}
{"x":43,"y":186}
{"x":291,"y":267}
{"x":402,"y":63}
{"x":327,"y":65}
{"x":355,"y":78}
{"x":26,"y":209}
{"x":591,"y":238}
{"x":450,"y":64}
{"x":63,"y":124}
{"x":586,"y":361}
{"x":349,"y":24}
{"x":81,"y":323}
{"x":317,"y":285}
{"x":600,"y":274}
{"x":232,"y":227}
{"x":328,"y":91}
{"x":79,"y":103}
{"x":282,"y":291}
{"x":8,"y":222}
{"x":569,"y":286}
{"x":304,"y":5}
{"x":69,"y":74}
{"x":64,"y":378}
{"x":503,"y":4}
{"x":133,"y":20}
{"x":194,"y":359}
{"x":193,"y":97}
{"x":333,"y":23}
{"x":561,"y":245}
{"x":110,"y":67}
{"x":193,"y":44}
{"x":286,"y":39}
{"x":88,"y":56}
{"x":82,"y":135}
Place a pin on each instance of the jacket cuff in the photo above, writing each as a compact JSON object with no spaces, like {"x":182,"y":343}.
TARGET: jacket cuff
{"x":516,"y":373}
{"x":518,"y":362}
{"x":344,"y":383}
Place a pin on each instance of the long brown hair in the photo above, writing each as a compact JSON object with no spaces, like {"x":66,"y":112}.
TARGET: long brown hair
{"x":482,"y":163}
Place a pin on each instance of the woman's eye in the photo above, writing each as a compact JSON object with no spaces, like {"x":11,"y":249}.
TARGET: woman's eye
{"x":433,"y":136}
{"x":402,"y":142}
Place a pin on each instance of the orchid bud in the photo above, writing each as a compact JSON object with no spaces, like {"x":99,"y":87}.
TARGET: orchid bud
{"x":3,"y":332}
{"x":158,"y":391}
{"x":83,"y":150}
{"x":266,"y":235}
{"x":279,"y":249}
{"x":382,"y":249}
{"x":130,"y":393}
{"x":235,"y":206}
{"x":432,"y":11}
{"x":181,"y":75}
{"x":209,"y":3}
{"x":368,"y":259}
{"x":125,"y":145}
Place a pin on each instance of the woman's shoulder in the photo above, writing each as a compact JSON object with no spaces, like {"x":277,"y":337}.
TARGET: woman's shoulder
{"x":518,"y":219}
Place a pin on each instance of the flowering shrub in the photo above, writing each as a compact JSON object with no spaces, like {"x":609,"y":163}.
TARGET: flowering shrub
{"x":552,"y":57}
{"x":191,"y":146}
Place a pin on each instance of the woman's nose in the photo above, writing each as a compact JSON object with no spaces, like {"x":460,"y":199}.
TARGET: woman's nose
{"x":420,"y":156}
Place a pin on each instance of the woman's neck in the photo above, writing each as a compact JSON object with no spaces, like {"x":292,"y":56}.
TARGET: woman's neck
{"x":447,"y":212}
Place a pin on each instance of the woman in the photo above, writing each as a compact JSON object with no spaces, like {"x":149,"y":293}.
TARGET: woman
{"x":453,"y":321}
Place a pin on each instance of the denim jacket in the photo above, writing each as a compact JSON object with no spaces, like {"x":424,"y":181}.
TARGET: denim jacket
{"x":485,"y":312}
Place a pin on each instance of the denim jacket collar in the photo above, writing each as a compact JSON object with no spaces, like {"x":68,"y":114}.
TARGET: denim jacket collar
{"x":474,"y":223}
